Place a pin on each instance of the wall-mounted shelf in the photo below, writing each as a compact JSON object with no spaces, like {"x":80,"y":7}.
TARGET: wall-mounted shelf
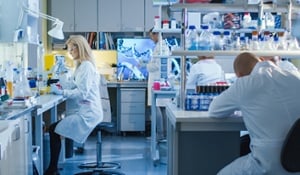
{"x":177,"y":30}
{"x":231,"y":8}
{"x":242,"y":30}
{"x":289,"y":53}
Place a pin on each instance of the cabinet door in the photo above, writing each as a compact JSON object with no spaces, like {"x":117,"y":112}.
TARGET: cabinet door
{"x":86,"y":15}
{"x":150,"y":12}
{"x":64,"y":10}
{"x":109,"y":16}
{"x":133,"y":15}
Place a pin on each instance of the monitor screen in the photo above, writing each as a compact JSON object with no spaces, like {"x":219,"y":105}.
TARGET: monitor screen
{"x":133,"y":55}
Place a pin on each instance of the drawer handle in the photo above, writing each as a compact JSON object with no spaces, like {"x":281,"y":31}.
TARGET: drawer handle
{"x":16,"y":133}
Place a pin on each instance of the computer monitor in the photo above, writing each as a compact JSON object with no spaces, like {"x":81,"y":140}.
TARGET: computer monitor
{"x":133,"y":55}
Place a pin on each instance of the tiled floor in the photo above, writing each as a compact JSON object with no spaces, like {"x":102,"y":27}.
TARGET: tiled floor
{"x":133,"y":152}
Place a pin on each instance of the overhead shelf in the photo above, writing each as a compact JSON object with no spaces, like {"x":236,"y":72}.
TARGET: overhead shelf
{"x":232,"y":8}
{"x":290,"y":54}
{"x":177,"y":30}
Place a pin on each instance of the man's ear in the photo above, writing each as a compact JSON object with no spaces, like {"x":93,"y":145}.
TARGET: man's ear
{"x":238,"y":74}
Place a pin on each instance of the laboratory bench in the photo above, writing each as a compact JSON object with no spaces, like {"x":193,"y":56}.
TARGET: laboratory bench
{"x":157,"y":94}
{"x":16,"y":141}
{"x":27,"y":131}
{"x":199,"y":144}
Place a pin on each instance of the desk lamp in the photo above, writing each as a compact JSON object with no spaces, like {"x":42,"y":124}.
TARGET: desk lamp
{"x":55,"y":32}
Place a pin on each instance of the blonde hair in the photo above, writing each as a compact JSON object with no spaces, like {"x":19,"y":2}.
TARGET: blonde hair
{"x":84,"y":49}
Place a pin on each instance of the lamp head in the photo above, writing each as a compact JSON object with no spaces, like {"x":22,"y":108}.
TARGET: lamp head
{"x":57,"y":31}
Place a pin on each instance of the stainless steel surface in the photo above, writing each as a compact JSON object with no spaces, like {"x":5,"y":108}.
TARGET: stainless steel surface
{"x":7,"y":114}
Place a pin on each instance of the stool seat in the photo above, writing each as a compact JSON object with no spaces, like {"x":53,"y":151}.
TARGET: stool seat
{"x":105,"y":126}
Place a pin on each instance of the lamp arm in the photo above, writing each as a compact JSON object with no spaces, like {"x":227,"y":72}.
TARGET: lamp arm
{"x":40,"y":14}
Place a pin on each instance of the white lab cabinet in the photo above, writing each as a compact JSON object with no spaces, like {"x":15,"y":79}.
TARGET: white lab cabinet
{"x":5,"y":135}
{"x":132,"y":112}
{"x":77,"y":15}
{"x":15,"y":144}
{"x":109,"y":15}
{"x":132,"y":15}
{"x":117,"y":15}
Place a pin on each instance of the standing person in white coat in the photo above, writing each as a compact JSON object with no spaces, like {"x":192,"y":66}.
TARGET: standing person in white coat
{"x":205,"y":71}
{"x":153,"y":68}
{"x":83,"y":89}
{"x":268,"y":98}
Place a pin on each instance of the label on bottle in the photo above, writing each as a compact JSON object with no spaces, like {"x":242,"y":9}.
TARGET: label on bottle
{"x":173,"y":24}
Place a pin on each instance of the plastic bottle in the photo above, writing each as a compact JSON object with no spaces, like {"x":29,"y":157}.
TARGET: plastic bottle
{"x":157,"y":22}
{"x":267,"y":43}
{"x":192,"y":36}
{"x":254,"y":44}
{"x":244,"y":45}
{"x":205,"y":39}
{"x":9,"y":80}
{"x":247,"y":20}
{"x":281,"y":43}
{"x":269,"y":20}
{"x":173,"y":23}
{"x":40,"y":66}
{"x":227,"y":40}
{"x":218,"y":43}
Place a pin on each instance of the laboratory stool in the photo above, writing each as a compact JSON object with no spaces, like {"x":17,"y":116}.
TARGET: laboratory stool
{"x":290,"y":152}
{"x":99,"y":167}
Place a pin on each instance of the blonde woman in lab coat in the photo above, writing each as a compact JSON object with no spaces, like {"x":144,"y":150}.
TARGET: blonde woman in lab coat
{"x":268,"y":98}
{"x":83,"y":89}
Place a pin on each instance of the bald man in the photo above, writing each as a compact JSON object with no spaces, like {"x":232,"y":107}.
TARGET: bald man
{"x":268,"y":98}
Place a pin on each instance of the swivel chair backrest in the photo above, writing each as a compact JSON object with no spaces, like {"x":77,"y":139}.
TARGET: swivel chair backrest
{"x":290,"y":152}
{"x":105,"y":99}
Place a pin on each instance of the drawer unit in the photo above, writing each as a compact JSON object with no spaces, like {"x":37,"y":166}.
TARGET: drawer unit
{"x":132,"y":122}
{"x":132,"y":109}
{"x":132,"y":95}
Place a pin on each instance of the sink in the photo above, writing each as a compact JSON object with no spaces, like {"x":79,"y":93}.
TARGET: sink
{"x":4,"y":113}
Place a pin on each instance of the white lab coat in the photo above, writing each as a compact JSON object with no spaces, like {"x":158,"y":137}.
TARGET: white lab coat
{"x":204,"y":72}
{"x":287,"y":65}
{"x":84,"y":108}
{"x":269,"y":101}
{"x":154,"y":71}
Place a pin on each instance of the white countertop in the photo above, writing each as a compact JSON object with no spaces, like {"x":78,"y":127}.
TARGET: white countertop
{"x":200,"y":121}
{"x":45,"y":102}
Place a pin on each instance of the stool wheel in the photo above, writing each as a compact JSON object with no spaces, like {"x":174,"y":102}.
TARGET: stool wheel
{"x":102,"y":166}
{"x":111,"y":172}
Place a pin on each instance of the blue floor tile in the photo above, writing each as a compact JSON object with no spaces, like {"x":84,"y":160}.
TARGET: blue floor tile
{"x":133,"y":152}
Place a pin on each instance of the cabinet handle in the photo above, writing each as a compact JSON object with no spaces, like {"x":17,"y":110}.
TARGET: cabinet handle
{"x":16,"y":133}
{"x":27,"y":125}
